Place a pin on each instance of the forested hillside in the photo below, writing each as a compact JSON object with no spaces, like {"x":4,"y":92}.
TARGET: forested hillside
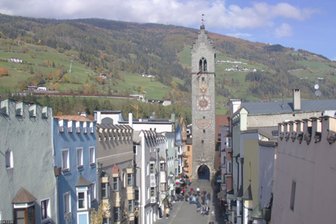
{"x":95,"y":56}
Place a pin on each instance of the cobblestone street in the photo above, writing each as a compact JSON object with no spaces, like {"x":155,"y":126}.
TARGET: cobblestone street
{"x":182,"y":212}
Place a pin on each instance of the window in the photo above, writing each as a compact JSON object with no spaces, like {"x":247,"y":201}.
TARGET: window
{"x":151,"y":167}
{"x":65,"y":159}
{"x":67,"y":203}
{"x":92,"y":155}
{"x":45,"y":209}
{"x":104,"y":190}
{"x":152,"y":191}
{"x":130,"y":206}
{"x":188,"y":148}
{"x":129,"y":179}
{"x":93,"y":191}
{"x":82,"y":199}
{"x":292,"y":197}
{"x":203,"y":65}
{"x":116,"y":214}
{"x":162,"y":166}
{"x":9,"y":159}
{"x":80,"y":157}
{"x":115,"y":184}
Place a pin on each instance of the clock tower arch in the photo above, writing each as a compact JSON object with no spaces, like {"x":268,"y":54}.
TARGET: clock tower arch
{"x":203,"y":106}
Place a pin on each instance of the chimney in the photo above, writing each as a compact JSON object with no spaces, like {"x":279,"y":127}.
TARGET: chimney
{"x":235,"y":105}
{"x":130,"y":119}
{"x":296,"y":99}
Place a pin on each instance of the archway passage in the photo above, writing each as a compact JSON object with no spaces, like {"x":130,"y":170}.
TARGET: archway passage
{"x":203,"y":172}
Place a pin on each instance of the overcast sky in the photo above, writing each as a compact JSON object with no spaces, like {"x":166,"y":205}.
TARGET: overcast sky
{"x":301,"y":24}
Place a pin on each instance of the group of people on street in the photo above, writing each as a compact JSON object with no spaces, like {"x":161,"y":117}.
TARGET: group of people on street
{"x":199,"y":198}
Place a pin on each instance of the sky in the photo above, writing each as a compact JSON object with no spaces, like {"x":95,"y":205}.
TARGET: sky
{"x":299,"y":24}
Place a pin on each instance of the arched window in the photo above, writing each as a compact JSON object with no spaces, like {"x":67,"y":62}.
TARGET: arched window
{"x":203,"y":65}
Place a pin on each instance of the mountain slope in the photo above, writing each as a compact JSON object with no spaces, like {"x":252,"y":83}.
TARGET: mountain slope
{"x":77,"y":52}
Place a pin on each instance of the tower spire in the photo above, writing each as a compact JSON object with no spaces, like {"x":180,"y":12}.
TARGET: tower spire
{"x":202,"y":22}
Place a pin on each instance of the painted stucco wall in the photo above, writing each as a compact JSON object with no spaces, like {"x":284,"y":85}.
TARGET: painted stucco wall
{"x":145,"y":150}
{"x":115,"y":150}
{"x":67,"y":180}
{"x":235,"y":154}
{"x":312,"y":167}
{"x":251,"y":164}
{"x":266,"y":172}
{"x":30,"y":140}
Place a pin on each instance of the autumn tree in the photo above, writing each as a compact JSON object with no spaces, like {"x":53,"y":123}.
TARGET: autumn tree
{"x":3,"y":71}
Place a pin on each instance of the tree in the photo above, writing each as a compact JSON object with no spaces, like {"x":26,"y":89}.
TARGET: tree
{"x":3,"y":71}
{"x":96,"y":217}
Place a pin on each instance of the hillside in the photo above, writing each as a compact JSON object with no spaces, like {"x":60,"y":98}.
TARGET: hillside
{"x":95,"y":56}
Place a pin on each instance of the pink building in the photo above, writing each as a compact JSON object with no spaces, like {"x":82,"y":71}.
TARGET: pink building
{"x":305,"y":172}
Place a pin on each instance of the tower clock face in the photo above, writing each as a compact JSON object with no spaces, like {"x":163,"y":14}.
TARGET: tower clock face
{"x":203,"y":102}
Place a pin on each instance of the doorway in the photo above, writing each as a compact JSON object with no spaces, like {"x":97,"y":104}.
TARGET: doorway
{"x":203,"y":172}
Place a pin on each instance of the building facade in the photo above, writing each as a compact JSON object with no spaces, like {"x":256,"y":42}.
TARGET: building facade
{"x":148,"y":178}
{"x":304,"y":177}
{"x":116,"y":172}
{"x":75,"y":164}
{"x":28,"y":183}
{"x":203,"y":106}
{"x":263,"y":117}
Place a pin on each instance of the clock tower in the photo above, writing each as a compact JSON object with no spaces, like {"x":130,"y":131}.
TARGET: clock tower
{"x":203,"y":106}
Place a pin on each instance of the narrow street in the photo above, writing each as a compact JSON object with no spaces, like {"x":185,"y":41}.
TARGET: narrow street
{"x":182,"y":212}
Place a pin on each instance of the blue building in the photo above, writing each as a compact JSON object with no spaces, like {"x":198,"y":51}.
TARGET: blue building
{"x":75,"y":167}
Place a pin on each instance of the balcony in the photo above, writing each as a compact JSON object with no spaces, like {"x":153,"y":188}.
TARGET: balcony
{"x":130,"y":193}
{"x":152,"y":200}
{"x":116,"y":199}
{"x":163,"y":177}
{"x":152,"y":180}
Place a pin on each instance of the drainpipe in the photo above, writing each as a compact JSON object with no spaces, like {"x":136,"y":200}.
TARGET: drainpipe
{"x":237,"y":156}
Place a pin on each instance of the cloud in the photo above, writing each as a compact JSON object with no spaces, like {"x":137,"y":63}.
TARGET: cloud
{"x":240,"y":35}
{"x":218,"y":14}
{"x":284,"y":30}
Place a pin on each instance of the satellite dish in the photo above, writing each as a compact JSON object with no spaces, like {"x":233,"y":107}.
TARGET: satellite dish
{"x":316,"y":86}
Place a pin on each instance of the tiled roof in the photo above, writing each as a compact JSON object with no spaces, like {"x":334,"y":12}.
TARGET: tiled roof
{"x":115,"y":169}
{"x":283,"y":107}
{"x":82,"y":182}
{"x":73,"y":118}
{"x":23,"y":196}
{"x":222,"y":120}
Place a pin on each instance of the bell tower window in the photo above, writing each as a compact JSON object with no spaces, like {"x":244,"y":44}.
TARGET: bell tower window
{"x":203,"y":65}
